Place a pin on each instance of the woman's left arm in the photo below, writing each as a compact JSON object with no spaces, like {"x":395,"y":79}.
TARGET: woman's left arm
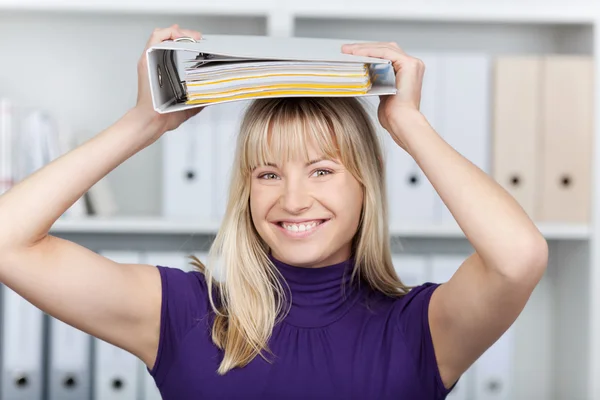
{"x":490,"y":289}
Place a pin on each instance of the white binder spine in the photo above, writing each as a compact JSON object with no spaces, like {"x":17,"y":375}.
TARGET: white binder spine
{"x":116,"y":371}
{"x":22,"y":345}
{"x":69,"y":353}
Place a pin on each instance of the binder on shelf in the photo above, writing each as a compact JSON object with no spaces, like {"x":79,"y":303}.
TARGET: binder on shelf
{"x":187,"y":172}
{"x":492,"y":372}
{"x":173,"y":259}
{"x":69,"y":362}
{"x":228,"y":118}
{"x":186,"y":73}
{"x":22,"y":348}
{"x":148,"y":389}
{"x":464,"y":111}
{"x":411,"y":269}
{"x":516,"y":128}
{"x":567,"y":134}
{"x":6,"y":145}
{"x":412,"y":198}
{"x":116,"y":371}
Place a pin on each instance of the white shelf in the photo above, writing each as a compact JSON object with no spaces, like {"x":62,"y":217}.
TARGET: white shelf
{"x":425,"y":10}
{"x":453,"y":11}
{"x":161,"y":226}
{"x":222,"y":7}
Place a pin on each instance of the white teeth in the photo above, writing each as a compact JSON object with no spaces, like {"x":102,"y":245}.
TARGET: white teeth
{"x":300,"y":227}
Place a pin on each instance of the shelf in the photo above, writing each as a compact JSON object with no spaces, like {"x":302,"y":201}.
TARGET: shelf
{"x":453,"y":11}
{"x":160,"y":226}
{"x":576,"y":12}
{"x":222,"y":7}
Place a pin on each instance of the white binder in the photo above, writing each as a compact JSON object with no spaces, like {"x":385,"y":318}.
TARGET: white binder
{"x":165,"y":70}
{"x":188,"y":172}
{"x":411,"y":269}
{"x":227,"y":122}
{"x":6,"y":145}
{"x":22,"y":346}
{"x":411,"y":195}
{"x":172,"y":259}
{"x":69,"y":362}
{"x":493,"y":370}
{"x":116,"y":371}
{"x":464,"y":113}
{"x":148,"y":389}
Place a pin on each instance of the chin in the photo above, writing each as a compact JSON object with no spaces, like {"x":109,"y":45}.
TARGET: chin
{"x":299,"y":257}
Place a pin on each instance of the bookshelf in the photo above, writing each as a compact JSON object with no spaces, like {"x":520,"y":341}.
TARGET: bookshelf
{"x":165,"y":226}
{"x":557,"y":355}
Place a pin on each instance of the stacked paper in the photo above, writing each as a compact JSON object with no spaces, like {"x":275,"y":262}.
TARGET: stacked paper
{"x":213,"y":81}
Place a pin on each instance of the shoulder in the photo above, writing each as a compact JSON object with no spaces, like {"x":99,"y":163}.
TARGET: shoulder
{"x":417,"y":297}
{"x":189,"y":287}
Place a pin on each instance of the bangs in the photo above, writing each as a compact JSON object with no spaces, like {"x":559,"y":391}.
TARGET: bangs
{"x":286,"y":131}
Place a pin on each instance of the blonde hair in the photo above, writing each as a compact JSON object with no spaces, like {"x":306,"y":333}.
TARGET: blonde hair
{"x":250,"y":295}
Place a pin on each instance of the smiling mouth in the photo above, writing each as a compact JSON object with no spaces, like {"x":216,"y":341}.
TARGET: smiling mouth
{"x":301,"y":229}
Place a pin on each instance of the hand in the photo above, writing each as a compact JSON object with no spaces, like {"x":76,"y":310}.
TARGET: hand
{"x":161,"y":122}
{"x":409,"y":81}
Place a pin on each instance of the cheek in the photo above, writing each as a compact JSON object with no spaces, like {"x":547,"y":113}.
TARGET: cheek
{"x":345,"y":199}
{"x":260,"y":201}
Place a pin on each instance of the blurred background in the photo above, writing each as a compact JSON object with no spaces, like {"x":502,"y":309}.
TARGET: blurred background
{"x":510,"y":84}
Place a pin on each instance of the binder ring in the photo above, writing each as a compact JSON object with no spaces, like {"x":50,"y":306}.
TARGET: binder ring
{"x":185,"y":39}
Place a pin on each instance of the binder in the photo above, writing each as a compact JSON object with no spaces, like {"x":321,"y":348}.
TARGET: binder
{"x":148,"y":389}
{"x":464,"y":112}
{"x":493,"y":370}
{"x":40,"y":140}
{"x":516,"y":128}
{"x":225,"y":131}
{"x":69,"y":362}
{"x":22,"y":348}
{"x":567,"y":126}
{"x":116,"y":371}
{"x":412,"y":269}
{"x":173,"y":259}
{"x":188,"y":172}
{"x":171,"y":87}
{"x":412,"y":197}
{"x":6,"y":144}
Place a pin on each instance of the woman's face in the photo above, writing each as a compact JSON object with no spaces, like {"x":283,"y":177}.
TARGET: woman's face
{"x":306,"y":213}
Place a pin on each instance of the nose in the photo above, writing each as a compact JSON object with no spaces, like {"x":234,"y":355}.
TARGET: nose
{"x":295,"y":197}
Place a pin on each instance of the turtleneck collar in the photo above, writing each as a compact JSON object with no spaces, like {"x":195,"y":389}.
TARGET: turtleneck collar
{"x":319,"y":296}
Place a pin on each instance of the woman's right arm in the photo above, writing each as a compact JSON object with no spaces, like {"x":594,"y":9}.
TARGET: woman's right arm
{"x":117,"y":303}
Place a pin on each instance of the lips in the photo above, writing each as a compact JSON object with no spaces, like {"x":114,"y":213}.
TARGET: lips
{"x":304,"y":222}
{"x":304,"y":228}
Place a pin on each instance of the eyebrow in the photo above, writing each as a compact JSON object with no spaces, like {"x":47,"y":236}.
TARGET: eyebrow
{"x":311,"y":162}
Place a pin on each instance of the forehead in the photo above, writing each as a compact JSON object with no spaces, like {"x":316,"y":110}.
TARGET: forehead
{"x":291,"y":138}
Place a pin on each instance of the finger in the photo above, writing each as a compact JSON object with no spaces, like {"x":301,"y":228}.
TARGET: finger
{"x":191,"y":33}
{"x":352,"y":46}
{"x":161,"y":34}
{"x":387,"y":53}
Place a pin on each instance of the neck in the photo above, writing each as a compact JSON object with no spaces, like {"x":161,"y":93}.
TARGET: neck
{"x":317,"y":296}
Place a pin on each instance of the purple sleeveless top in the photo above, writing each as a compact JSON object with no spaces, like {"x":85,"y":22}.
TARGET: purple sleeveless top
{"x":333,"y":344}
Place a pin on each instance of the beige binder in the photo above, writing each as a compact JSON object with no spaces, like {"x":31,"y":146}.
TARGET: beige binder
{"x":516,"y":127}
{"x":567,"y":126}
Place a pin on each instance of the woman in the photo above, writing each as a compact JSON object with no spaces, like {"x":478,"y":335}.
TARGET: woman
{"x":308,"y":305}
